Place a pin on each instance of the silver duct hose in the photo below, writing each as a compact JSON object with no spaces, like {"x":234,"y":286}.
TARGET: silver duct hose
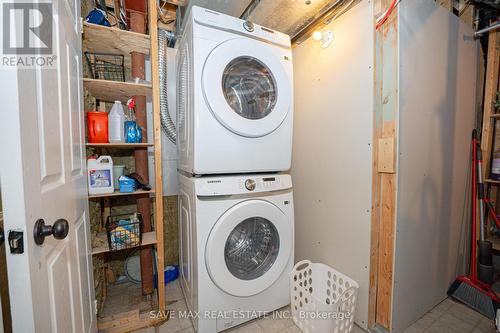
{"x":167,"y":124}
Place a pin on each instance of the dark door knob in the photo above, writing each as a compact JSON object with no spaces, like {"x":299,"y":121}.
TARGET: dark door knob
{"x":59,"y":230}
{"x":2,"y":236}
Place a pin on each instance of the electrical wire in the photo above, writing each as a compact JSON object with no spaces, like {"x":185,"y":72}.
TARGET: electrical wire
{"x":381,"y":20}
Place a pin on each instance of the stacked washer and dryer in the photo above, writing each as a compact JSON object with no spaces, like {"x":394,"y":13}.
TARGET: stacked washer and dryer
{"x":235,"y":114}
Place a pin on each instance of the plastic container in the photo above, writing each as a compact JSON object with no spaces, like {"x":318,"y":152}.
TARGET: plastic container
{"x":127,"y":185}
{"x":133,"y":133}
{"x":495,"y":166}
{"x":100,"y":175}
{"x":118,"y":171}
{"x":171,"y":274}
{"x":97,"y":127}
{"x":322,"y":298}
{"x":116,"y":121}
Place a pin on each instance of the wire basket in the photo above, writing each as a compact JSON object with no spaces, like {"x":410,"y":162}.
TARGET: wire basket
{"x":106,"y":66}
{"x":124,"y":231}
{"x":322,"y":298}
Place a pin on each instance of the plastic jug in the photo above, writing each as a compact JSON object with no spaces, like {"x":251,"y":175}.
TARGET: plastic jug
{"x":100,"y":175}
{"x":97,"y":127}
{"x":116,"y":121}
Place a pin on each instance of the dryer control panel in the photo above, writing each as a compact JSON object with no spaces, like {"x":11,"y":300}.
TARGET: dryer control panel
{"x":241,"y":184}
{"x":225,"y":22}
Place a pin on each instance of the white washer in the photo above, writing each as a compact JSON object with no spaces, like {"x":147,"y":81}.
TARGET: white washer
{"x":236,"y":239}
{"x":235,"y":98}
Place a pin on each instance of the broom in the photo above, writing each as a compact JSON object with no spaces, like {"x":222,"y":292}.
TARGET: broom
{"x":468,"y":289}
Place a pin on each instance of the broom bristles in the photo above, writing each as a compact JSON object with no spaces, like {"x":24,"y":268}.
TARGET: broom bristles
{"x":474,"y":298}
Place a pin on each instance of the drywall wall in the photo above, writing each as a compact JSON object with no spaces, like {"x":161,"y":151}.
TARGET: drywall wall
{"x":437,"y":85}
{"x":331,"y":164}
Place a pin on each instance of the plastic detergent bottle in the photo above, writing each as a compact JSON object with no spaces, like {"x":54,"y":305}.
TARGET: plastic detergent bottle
{"x":116,"y":119}
{"x":100,"y":174}
{"x":132,"y":130}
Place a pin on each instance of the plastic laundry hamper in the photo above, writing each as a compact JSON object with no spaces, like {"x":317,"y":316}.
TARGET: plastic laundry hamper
{"x":323,"y":300}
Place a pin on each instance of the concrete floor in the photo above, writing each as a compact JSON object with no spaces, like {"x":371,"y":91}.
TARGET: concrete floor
{"x":447,"y":317}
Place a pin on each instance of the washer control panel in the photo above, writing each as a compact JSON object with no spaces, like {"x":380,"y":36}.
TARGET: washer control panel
{"x":248,"y":26}
{"x":250,"y":184}
{"x":232,"y":185}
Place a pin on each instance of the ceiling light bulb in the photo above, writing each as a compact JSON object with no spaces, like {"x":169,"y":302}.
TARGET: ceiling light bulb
{"x":317,"y":35}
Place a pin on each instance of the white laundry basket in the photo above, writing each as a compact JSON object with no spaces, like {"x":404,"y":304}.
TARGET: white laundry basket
{"x":323,"y":300}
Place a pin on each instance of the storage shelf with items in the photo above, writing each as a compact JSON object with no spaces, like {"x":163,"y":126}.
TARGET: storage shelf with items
{"x":116,"y":238}
{"x":117,"y":145}
{"x":490,"y":136}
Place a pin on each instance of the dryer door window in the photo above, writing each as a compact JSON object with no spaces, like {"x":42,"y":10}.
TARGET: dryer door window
{"x":247,"y":86}
{"x":252,"y":248}
{"x":249,"y":248}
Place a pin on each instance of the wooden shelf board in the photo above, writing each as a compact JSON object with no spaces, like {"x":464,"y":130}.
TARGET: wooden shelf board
{"x":114,"y":90}
{"x":492,"y":181}
{"x":120,"y":145}
{"x":118,"y":194}
{"x":148,"y":238}
{"x":98,"y":38}
{"x":495,"y":116}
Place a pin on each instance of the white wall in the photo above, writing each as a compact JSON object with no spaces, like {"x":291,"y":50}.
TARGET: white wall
{"x":331,"y":167}
{"x":169,"y":150}
{"x":436,"y":116}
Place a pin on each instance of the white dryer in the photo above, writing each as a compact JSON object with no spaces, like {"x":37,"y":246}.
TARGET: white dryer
{"x":236,"y":236}
{"x":235,"y":98}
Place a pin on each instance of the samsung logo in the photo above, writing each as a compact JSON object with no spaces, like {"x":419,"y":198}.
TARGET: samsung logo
{"x":213,"y":181}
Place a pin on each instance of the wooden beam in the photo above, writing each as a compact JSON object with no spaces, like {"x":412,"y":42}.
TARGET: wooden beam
{"x":386,"y":155}
{"x":490,"y":90}
{"x":384,"y":182}
{"x":155,"y":81}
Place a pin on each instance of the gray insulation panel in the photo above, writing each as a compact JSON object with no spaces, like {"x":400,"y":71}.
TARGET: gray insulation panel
{"x":437,"y":83}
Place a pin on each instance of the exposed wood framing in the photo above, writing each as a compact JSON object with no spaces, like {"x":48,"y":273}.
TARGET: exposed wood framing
{"x":490,"y":90}
{"x":386,"y":159}
{"x":488,"y":137}
{"x":448,"y":4}
{"x":384,"y":182}
{"x":155,"y":81}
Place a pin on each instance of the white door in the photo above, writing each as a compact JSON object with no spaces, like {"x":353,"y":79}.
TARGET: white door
{"x":247,"y":87}
{"x":42,"y":172}
{"x":247,"y":252}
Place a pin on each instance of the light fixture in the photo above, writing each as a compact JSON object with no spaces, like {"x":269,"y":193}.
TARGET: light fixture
{"x":324,"y":37}
{"x":317,"y":35}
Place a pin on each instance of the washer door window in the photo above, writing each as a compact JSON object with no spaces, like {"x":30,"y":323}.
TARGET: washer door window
{"x":248,"y":248}
{"x":246,"y":87}
{"x":252,"y":248}
{"x":249,"y":88}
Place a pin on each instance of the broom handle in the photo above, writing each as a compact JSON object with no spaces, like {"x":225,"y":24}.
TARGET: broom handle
{"x":480,"y":191}
{"x":474,"y":196}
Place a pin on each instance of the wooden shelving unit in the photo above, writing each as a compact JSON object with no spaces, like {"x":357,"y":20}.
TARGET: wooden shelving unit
{"x":110,"y":40}
{"x":120,"y":145}
{"x":114,"y":90}
{"x":490,"y":118}
{"x":148,"y":238}
{"x":119,"y":194}
{"x":98,"y":38}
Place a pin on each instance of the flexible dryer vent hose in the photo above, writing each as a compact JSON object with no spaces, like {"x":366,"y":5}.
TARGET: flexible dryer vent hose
{"x":167,"y":124}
